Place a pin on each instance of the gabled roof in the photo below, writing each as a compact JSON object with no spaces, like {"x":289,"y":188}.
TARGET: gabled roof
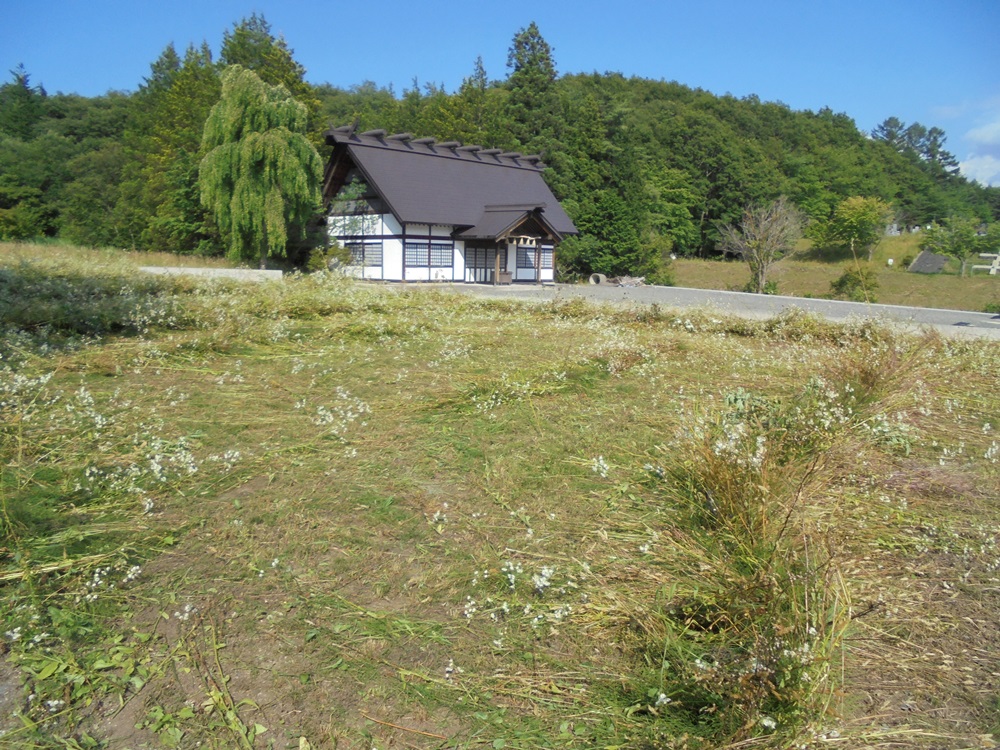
{"x":498,"y":222}
{"x":484,"y":193}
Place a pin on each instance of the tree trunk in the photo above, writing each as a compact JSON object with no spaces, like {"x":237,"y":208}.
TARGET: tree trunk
{"x":263,"y":251}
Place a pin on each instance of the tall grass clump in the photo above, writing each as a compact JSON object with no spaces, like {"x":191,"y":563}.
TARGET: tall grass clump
{"x":744,"y":644}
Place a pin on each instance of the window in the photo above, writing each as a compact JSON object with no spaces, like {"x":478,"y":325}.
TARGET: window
{"x":485,"y":257}
{"x":442,"y":255}
{"x":416,"y":253}
{"x":547,"y":251}
{"x":424,"y":253}
{"x":475,"y":257}
{"x":525,"y":256}
{"x":366,"y":254}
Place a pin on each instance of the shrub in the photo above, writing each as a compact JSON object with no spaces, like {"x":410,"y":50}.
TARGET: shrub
{"x":858,"y":285}
{"x":770,"y":287}
{"x":325,"y":258}
{"x":662,"y":275}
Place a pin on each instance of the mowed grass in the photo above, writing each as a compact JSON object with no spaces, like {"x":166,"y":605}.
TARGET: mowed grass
{"x":317,"y":513}
{"x":805,"y":273}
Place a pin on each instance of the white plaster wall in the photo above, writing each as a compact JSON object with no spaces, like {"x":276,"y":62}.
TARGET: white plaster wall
{"x":458,"y":261}
{"x":392,"y":260}
{"x":390,"y":225}
{"x":419,"y":274}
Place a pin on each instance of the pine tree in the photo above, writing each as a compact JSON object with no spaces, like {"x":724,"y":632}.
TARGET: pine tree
{"x":891,"y":130}
{"x":21,"y":105}
{"x":533,"y":102}
{"x":162,"y":71}
{"x":260,"y":176}
{"x":476,"y":111}
{"x":162,"y":139}
{"x":252,"y":45}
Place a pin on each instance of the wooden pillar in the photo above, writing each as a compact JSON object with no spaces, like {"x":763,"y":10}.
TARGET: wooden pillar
{"x":496,"y":272}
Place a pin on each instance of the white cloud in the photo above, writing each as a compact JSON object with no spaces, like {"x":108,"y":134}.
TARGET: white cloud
{"x":987,"y":135}
{"x":984,"y":169}
{"x":982,"y":146}
{"x":966,"y":108}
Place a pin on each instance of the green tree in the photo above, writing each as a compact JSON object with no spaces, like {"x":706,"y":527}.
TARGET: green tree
{"x":613,"y":223}
{"x":90,"y":200}
{"x":176,"y":221}
{"x":34,"y":172}
{"x":22,"y":212}
{"x":891,"y":130}
{"x":764,"y":234}
{"x":857,"y":224}
{"x":942,"y":162}
{"x":961,"y":238}
{"x":161,"y":153}
{"x":477,"y":111}
{"x":252,"y":45}
{"x":260,"y":176}
{"x":668,"y":196}
{"x":21,"y":105}
{"x":532,"y":103}
{"x":163,"y":69}
{"x":859,"y":284}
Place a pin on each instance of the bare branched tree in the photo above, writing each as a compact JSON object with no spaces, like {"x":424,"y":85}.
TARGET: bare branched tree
{"x":765,"y":233}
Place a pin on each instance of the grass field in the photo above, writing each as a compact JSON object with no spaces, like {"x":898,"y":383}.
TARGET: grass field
{"x":804,"y":274}
{"x":315,"y":513}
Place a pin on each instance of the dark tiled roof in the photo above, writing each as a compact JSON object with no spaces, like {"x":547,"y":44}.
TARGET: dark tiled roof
{"x":424,"y":182}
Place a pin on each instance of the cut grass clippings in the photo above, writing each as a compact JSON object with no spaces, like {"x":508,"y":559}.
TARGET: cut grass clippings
{"x":318,"y":513}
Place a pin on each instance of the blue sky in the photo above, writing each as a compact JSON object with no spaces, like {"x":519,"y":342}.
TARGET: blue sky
{"x":933,"y":62}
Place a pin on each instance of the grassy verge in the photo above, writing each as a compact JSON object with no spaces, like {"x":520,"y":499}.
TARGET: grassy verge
{"x":316,"y":513}
{"x":802,"y":275}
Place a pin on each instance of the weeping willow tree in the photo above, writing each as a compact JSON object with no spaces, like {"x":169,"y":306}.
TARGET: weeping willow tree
{"x":260,"y":176}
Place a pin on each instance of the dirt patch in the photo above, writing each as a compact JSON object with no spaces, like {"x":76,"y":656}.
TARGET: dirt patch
{"x":11,"y":694}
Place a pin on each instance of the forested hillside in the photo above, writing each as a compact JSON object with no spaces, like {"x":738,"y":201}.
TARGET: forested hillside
{"x":644,"y":167}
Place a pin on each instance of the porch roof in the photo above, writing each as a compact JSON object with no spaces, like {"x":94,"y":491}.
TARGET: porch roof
{"x":498,"y":222}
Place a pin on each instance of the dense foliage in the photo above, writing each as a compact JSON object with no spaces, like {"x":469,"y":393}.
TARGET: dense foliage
{"x":645,"y":168}
{"x":260,"y":176}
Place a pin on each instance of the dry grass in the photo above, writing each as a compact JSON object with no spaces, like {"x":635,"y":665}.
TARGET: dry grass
{"x":419,"y":520}
{"x":801,"y":275}
{"x":17,"y":251}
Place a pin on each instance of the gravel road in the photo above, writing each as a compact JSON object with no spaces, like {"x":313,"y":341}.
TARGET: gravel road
{"x":949,"y":322}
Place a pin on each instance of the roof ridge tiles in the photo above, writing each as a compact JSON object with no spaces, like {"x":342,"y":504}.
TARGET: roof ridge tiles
{"x":429,"y":146}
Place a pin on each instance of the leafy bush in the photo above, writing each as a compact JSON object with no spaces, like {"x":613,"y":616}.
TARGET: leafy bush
{"x":323,"y":258}
{"x":857,"y":284}
{"x":770,"y":287}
